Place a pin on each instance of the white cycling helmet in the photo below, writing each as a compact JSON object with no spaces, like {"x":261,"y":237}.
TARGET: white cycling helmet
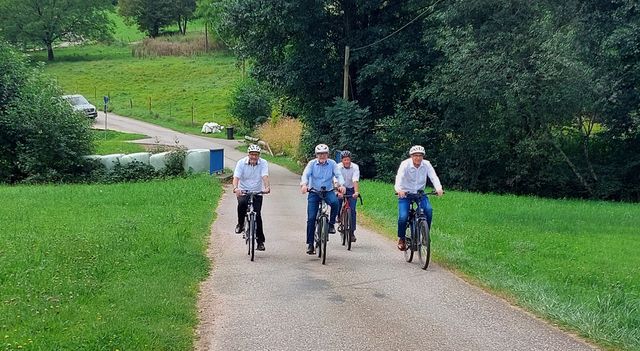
{"x":320,"y":148}
{"x":416,"y":149}
{"x":254,"y":148}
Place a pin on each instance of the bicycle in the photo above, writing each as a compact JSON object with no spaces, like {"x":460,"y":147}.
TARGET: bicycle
{"x":419,"y":238}
{"x":346,"y":221}
{"x":321,"y":234}
{"x":250,"y":223}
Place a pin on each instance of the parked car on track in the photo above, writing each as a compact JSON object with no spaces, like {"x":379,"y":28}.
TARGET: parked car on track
{"x":79,"y":103}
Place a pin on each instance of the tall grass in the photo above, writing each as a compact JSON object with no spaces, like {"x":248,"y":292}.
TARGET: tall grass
{"x":574,"y":262}
{"x":282,"y":135}
{"x":103,"y":267}
{"x":175,"y":45}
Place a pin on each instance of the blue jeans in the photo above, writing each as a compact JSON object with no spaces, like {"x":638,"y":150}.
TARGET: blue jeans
{"x":313,"y":204}
{"x":403,"y":211}
{"x":352,"y":203}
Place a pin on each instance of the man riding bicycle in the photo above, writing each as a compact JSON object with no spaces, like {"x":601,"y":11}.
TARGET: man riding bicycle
{"x":319,"y":173}
{"x":411,"y":178}
{"x":351,"y":174}
{"x":251,"y":174}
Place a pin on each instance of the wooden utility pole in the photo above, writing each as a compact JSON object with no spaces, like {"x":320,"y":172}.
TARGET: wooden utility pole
{"x":345,"y":83}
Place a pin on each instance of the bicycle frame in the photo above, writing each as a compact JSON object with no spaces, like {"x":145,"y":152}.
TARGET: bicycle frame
{"x":250,"y":223}
{"x":322,"y":215}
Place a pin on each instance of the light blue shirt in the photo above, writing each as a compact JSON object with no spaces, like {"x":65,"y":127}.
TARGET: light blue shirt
{"x":317,"y":175}
{"x":250,"y":177}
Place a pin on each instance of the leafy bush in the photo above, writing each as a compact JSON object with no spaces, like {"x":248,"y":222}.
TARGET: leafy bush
{"x":134,"y":171}
{"x":250,"y":103}
{"x":174,"y":163}
{"x":42,"y":138}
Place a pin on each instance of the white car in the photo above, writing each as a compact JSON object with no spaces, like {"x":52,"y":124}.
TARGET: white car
{"x":79,"y":103}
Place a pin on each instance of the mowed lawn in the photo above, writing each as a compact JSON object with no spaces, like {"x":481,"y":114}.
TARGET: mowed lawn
{"x":104,"y":267}
{"x":162,"y":90}
{"x":574,"y":262}
{"x":112,"y":142}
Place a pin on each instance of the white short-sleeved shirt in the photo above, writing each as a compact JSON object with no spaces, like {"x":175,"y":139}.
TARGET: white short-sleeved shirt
{"x":250,"y":176}
{"x":350,"y":175}
{"x":411,"y":178}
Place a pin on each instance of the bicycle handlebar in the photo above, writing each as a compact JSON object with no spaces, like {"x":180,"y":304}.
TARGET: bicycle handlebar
{"x":420,"y":192}
{"x":321,"y":191}
{"x":253,"y":192}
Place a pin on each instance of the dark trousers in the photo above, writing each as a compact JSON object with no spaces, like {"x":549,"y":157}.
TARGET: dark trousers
{"x":243,"y":203}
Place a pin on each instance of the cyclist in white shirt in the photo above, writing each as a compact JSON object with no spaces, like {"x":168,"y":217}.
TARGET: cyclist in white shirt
{"x":251,"y":174}
{"x":351,"y":174}
{"x":412,"y":177}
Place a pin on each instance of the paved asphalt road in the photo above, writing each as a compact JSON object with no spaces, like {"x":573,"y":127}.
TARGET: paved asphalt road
{"x":366,"y":299}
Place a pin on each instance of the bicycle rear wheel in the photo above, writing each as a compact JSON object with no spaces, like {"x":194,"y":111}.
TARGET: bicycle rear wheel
{"x":408,"y":253}
{"x":252,"y":235}
{"x":348,"y":228}
{"x":324,"y":237}
{"x":424,"y":244}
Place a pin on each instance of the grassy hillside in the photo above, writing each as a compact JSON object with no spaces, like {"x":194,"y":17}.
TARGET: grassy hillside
{"x":176,"y":92}
{"x":574,"y":262}
{"x":104,"y":267}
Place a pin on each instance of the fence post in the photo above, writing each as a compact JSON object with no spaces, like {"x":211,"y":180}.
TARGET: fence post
{"x":149,"y":104}
{"x":192,"y":113}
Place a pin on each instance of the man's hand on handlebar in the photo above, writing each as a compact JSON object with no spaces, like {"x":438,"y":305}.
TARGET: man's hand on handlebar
{"x":402,"y":194}
{"x":304,"y":189}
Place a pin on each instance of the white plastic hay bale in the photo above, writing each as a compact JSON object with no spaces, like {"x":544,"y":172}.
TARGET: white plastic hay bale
{"x":109,"y":161}
{"x":138,"y":156}
{"x":159,"y":161}
{"x":197,"y":160}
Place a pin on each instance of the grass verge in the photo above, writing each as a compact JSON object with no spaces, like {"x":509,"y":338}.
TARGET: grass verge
{"x":112,"y":142}
{"x":573,"y":262}
{"x":104,"y":267}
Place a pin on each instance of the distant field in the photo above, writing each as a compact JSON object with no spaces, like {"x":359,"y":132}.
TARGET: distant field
{"x":112,"y":142}
{"x":176,"y":92}
{"x":574,"y":262}
{"x":104,"y":267}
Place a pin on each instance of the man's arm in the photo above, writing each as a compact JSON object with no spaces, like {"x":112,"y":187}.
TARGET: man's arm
{"x":356,"y":181}
{"x":304,"y":179}
{"x":398,"y":184}
{"x":338,"y":176}
{"x":431,"y":173}
{"x":236,"y":178}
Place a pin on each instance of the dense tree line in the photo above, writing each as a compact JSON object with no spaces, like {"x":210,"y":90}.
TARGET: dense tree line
{"x":527,"y":97}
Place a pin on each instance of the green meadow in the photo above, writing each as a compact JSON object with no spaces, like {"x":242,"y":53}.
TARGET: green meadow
{"x":104,"y":267}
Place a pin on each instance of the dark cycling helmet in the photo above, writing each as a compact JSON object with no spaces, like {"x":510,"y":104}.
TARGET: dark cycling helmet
{"x":345,"y":153}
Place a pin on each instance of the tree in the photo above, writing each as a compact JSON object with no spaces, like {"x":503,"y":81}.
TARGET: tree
{"x":150,"y":15}
{"x":44,"y":22}
{"x":42,"y":139}
{"x":184,"y":10}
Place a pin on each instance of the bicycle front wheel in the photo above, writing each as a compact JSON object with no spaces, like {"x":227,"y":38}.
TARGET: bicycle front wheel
{"x":343,"y":227}
{"x":408,"y":236}
{"x":324,"y":237}
{"x":424,"y":244}
{"x":348,"y":228}
{"x":252,"y":235}
{"x":317,"y":234}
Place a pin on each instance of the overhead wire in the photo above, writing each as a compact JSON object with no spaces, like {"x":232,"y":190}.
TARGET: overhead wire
{"x":422,"y":13}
